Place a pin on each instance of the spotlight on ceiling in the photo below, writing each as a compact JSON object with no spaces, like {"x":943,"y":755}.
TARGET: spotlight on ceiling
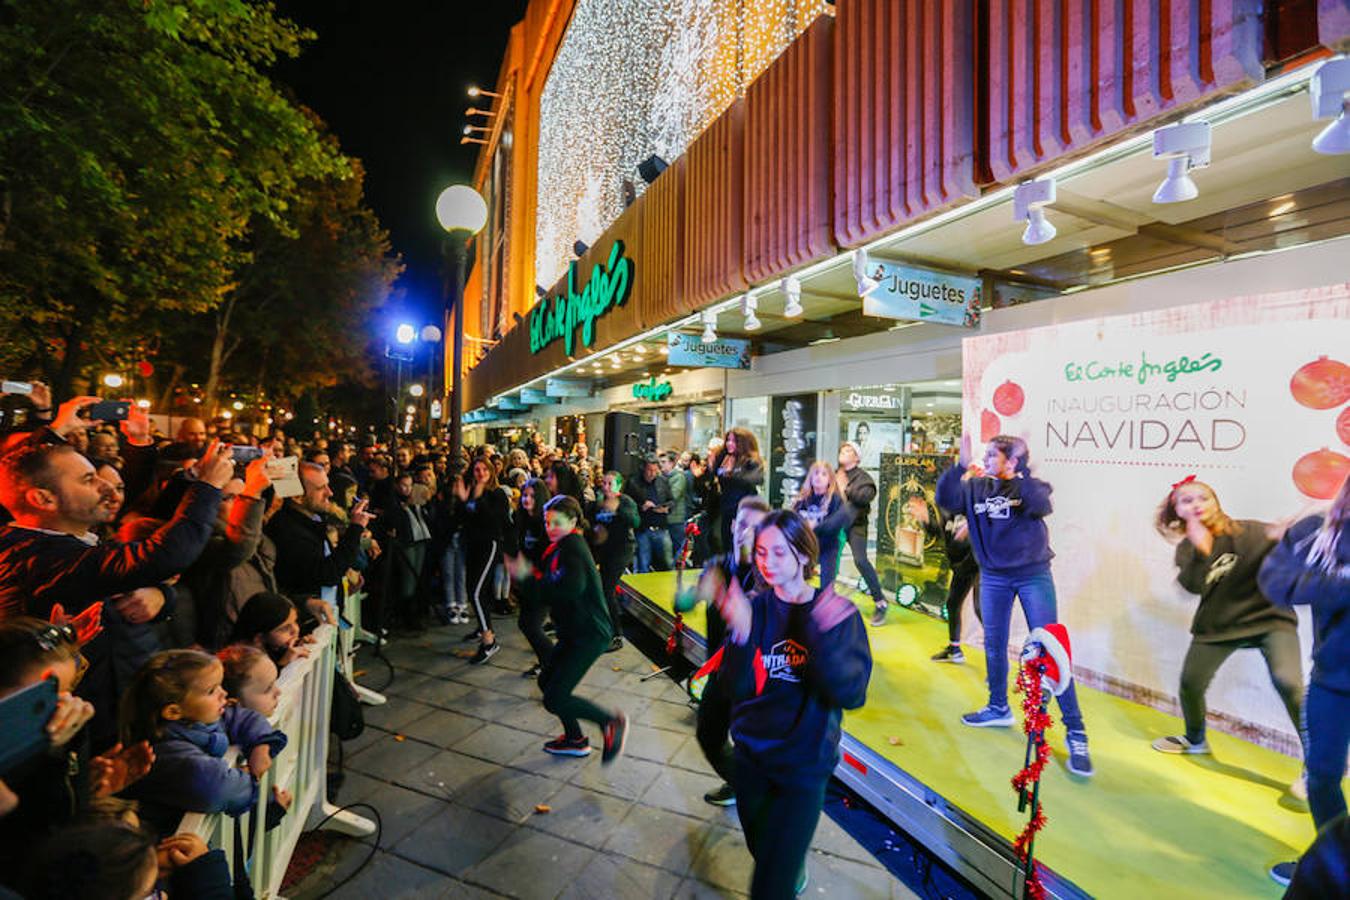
{"x":709,"y":326}
{"x":1330,"y":92}
{"x":580,"y":248}
{"x":539,"y":291}
{"x":792,"y":290}
{"x":1185,"y":146}
{"x":651,"y":167}
{"x":1028,"y":200}
{"x":629,"y":192}
{"x":749,"y":306}
{"x":476,"y":92}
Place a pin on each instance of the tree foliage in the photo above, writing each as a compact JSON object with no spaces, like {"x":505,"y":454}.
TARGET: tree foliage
{"x":148,"y":170}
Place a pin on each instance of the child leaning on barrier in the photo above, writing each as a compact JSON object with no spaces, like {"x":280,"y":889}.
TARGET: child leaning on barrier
{"x":177,"y":702}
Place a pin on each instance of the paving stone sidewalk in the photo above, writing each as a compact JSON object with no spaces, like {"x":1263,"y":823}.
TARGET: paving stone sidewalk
{"x":455,"y":766}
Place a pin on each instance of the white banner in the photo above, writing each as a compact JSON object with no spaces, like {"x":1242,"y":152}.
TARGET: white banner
{"x":1244,"y":393}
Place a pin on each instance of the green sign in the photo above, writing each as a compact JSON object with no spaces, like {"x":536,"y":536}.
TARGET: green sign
{"x":558,"y":317}
{"x":653,"y":391}
{"x":1143,"y":370}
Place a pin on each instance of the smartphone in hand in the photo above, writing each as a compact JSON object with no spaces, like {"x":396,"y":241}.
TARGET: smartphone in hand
{"x":23,"y":722}
{"x":109,"y":411}
{"x":243,"y":453}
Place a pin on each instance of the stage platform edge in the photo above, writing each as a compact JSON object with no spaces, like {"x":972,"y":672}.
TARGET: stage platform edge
{"x":981,"y":856}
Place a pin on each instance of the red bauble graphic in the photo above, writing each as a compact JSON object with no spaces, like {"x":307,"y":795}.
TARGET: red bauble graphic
{"x":990,"y":426}
{"x":1343,"y":426}
{"x":1320,"y":474}
{"x":1321,"y":384}
{"x":1008,"y":398}
{"x":146,"y":369}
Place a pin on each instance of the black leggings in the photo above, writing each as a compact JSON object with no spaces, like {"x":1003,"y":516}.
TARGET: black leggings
{"x":964,"y":579}
{"x":779,"y":819}
{"x":533,"y":610}
{"x":714,"y":728}
{"x":1284,"y":660}
{"x":857,"y":545}
{"x":567,"y":665}
{"x":611,"y":570}
{"x":481,"y":560}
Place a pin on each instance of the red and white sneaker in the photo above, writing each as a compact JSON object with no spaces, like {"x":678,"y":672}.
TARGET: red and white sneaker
{"x":616,"y":736}
{"x":562,"y":745}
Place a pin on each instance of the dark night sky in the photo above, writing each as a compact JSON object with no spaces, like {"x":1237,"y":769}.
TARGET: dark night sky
{"x":390,"y":79}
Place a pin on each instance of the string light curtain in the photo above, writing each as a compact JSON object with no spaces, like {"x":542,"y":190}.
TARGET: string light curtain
{"x":635,"y":78}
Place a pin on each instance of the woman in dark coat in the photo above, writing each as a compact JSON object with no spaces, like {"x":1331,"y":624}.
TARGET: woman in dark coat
{"x":740,"y":472}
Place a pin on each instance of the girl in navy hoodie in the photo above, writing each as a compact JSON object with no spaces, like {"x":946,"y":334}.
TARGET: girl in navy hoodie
{"x":1005,"y":510}
{"x":1311,"y":565}
{"x":822,"y":505}
{"x":795,"y":657}
{"x":178,"y":703}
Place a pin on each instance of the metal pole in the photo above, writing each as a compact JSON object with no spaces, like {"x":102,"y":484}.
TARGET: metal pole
{"x":455,"y":253}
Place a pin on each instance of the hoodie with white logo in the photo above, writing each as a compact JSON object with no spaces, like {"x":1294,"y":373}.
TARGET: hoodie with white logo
{"x":1232,"y":606}
{"x":1005,"y":518}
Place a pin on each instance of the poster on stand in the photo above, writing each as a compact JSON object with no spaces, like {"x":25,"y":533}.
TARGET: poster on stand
{"x":1250,"y":395}
{"x":792,"y":438}
{"x":911,"y":562}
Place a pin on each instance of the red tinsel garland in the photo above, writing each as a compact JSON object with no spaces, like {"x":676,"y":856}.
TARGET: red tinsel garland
{"x":1035,"y":722}
{"x":673,"y":642}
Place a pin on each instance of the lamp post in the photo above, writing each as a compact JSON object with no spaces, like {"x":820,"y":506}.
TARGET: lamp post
{"x":462,"y":213}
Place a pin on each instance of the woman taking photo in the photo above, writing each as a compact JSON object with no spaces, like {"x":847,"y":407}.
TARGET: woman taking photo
{"x":613,"y":520}
{"x":1311,"y":565}
{"x":795,"y":657}
{"x":570,"y":587}
{"x":823,"y":508}
{"x":1005,"y":510}
{"x":740,"y":472}
{"x":485,"y":515}
{"x":531,"y":539}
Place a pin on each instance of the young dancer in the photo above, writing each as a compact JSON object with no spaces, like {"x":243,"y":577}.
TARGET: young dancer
{"x":486,"y":522}
{"x":1218,"y":558}
{"x":795,"y":658}
{"x":714,"y":707}
{"x":859,"y":491}
{"x":740,"y":472}
{"x":614,"y":517}
{"x":570,"y":586}
{"x":822,"y":505}
{"x":965,"y":572}
{"x":1311,"y":565}
{"x":1005,"y":509}
{"x":531,"y":539}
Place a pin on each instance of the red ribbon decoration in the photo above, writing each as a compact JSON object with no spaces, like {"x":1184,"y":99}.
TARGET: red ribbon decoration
{"x":1034,"y":720}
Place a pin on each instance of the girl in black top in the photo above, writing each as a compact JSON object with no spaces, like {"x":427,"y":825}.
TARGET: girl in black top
{"x":613,"y":518}
{"x":795,"y":657}
{"x":561,"y":478}
{"x":531,"y":539}
{"x":822,"y":506}
{"x":1219,"y":559}
{"x":740,"y":472}
{"x":570,"y":586}
{"x":486,"y":516}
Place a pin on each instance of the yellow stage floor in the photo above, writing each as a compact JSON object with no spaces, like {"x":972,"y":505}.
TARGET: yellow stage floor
{"x":1147,"y":825}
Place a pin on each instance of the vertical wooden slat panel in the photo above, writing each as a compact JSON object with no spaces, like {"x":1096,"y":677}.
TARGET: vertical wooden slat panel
{"x":1066,"y":75}
{"x":787,"y":116}
{"x":662,"y":262}
{"x":714,"y":210}
{"x":903,"y":136}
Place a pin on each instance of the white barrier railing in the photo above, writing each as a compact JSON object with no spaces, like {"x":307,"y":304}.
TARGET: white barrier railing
{"x":302,"y":768}
{"x":348,"y":635}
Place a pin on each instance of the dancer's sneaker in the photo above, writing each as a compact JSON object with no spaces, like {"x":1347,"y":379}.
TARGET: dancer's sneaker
{"x":1080,"y":763}
{"x":485,"y":652}
{"x":562,"y":745}
{"x":616,"y":736}
{"x":949,"y":654}
{"x":1178,"y":743}
{"x":802,"y":881}
{"x":989,"y":717}
{"x":531,"y":672}
{"x":1299,"y":789}
{"x":723,"y":796}
{"x":1283,"y":873}
{"x":879,"y":616}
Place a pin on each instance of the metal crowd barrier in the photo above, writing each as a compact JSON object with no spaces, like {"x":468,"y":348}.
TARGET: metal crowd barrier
{"x":302,"y":713}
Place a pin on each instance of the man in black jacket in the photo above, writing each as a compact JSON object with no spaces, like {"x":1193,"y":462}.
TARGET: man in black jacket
{"x":307,"y":568}
{"x":49,"y":554}
{"x":651,"y":492}
{"x":859,"y":491}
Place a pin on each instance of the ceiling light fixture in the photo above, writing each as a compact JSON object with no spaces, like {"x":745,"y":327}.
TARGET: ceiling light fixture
{"x":709,"y":326}
{"x":792,"y":291}
{"x":1330,"y":93}
{"x":1029,"y":198}
{"x":1185,"y":146}
{"x":749,"y":305}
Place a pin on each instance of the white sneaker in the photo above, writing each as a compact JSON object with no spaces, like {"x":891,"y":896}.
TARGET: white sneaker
{"x":1178,"y":744}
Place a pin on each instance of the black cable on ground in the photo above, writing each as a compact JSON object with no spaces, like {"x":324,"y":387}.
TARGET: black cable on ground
{"x":374,"y":846}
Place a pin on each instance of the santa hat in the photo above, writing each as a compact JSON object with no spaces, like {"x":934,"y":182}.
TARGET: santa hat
{"x":1050,"y":644}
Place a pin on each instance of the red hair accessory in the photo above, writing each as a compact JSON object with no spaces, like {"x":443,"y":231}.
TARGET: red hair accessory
{"x":1187,"y":480}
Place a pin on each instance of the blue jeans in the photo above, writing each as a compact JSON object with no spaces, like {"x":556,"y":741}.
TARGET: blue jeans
{"x":1037,"y":593}
{"x":676,"y":541}
{"x":1326,"y":739}
{"x":452,"y":574}
{"x":653,"y":550}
